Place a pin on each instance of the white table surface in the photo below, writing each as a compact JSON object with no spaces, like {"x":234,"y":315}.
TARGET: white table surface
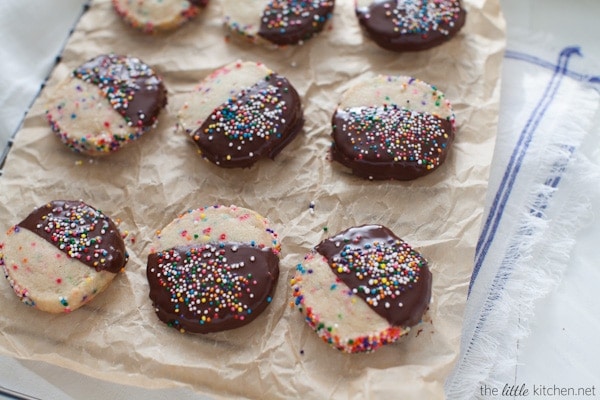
{"x":564,"y":346}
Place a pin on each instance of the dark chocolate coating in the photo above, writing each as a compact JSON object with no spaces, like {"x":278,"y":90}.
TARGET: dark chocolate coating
{"x":132,"y":87}
{"x":258,"y":122}
{"x":287,"y":22}
{"x":199,"y":3}
{"x":375,"y":262}
{"x":81,"y":232}
{"x":389,"y":142}
{"x":399,"y":25}
{"x":211,"y":287}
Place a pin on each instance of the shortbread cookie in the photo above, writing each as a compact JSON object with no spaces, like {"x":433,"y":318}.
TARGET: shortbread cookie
{"x":105,"y":104}
{"x":392,"y":127}
{"x":362,"y":288}
{"x":62,"y":255}
{"x":152,"y":16}
{"x":278,"y":22}
{"x":241,"y":113}
{"x":410,"y":25}
{"x":213,"y":269}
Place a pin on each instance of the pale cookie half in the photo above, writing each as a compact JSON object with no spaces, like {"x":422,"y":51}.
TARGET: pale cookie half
{"x":105,"y":104}
{"x":362,"y":288}
{"x":392,"y":127}
{"x":213,"y":269}
{"x":240,"y":113}
{"x":277,"y":22}
{"x":152,"y":16}
{"x":62,"y":255}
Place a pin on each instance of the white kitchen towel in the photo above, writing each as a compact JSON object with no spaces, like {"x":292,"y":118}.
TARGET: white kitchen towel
{"x":542,"y":183}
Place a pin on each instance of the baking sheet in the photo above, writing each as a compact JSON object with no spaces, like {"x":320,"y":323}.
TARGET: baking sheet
{"x":117,"y":337}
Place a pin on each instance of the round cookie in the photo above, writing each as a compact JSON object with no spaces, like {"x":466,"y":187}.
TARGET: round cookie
{"x":152,"y":16}
{"x":213,"y":269}
{"x":410,"y":25}
{"x":362,"y":288}
{"x":278,"y":22}
{"x":392,"y":127}
{"x":62,"y":255}
{"x":241,"y":113}
{"x":105,"y":104}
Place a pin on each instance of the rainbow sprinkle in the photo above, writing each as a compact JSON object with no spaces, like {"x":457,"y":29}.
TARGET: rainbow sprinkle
{"x":422,"y":16}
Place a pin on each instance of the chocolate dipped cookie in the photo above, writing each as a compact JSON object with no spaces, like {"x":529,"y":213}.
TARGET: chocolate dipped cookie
{"x":153,"y":16}
{"x":105,"y":104}
{"x":410,"y":25}
{"x":241,"y":113}
{"x":62,"y":255}
{"x":392,"y":127}
{"x":362,"y":288}
{"x":277,"y":22}
{"x":213,"y":269}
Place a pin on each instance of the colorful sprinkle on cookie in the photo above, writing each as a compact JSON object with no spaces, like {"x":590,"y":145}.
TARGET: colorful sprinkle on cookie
{"x":277,"y":22}
{"x":362,"y":288}
{"x":154,"y":16}
{"x":107,"y":103}
{"x":392,"y":128}
{"x":213,"y":269}
{"x":241,"y":113}
{"x":410,"y":25}
{"x":62,"y":255}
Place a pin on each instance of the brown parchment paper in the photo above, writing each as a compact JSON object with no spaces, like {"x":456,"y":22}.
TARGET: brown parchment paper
{"x":118,"y":338}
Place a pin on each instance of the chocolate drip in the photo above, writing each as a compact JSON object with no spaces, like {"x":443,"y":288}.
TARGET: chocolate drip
{"x":389,"y":142}
{"x":211,"y":287}
{"x":381,"y":269}
{"x":132,"y":87}
{"x":81,"y":232}
{"x":291,"y":21}
{"x":255,"y":123}
{"x":411,"y":26}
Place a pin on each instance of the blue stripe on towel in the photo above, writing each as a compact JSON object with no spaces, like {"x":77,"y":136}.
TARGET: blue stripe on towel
{"x":514,"y":55}
{"x":504,"y":271}
{"x":512,"y":170}
{"x":559,"y":168}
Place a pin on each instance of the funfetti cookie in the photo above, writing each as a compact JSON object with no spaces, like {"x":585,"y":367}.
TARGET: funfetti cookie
{"x":277,"y":22}
{"x":241,"y":113}
{"x":153,"y":16}
{"x":62,"y":255}
{"x":362,"y":288}
{"x":410,"y":25}
{"x":213,"y":269}
{"x":392,"y":127}
{"x":105,"y":104}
